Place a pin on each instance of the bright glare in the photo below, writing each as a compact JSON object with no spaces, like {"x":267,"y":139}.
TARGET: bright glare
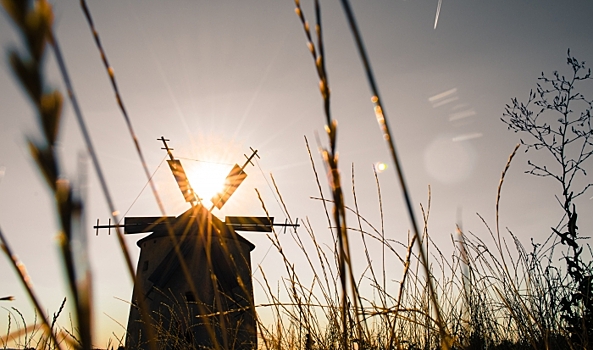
{"x":207,"y":179}
{"x":380,"y":167}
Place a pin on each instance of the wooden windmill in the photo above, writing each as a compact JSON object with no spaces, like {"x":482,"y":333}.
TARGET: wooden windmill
{"x":194,"y":273}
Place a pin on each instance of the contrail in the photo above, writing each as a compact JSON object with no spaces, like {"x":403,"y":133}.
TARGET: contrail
{"x":436,"y":18}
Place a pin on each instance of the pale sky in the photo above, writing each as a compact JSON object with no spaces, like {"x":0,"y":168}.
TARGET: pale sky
{"x":219,"y":77}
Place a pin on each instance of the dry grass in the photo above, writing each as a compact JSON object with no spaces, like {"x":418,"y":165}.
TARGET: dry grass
{"x":490,"y":295}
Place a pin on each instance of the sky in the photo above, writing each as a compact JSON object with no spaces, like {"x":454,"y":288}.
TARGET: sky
{"x":217,"y":78}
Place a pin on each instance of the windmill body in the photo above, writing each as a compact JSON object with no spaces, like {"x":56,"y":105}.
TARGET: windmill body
{"x":213,"y":305}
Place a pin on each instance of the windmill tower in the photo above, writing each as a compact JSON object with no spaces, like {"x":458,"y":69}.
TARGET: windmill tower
{"x":194,"y":273}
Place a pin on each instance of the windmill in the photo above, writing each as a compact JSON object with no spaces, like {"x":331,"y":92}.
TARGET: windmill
{"x":194,"y":271}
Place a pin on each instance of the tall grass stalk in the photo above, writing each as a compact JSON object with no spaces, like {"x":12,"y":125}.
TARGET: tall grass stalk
{"x":21,"y":272}
{"x":446,"y":341}
{"x":34,"y":22}
{"x":330,"y":157}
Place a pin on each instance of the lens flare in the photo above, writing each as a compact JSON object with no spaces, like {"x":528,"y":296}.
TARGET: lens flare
{"x":448,"y":161}
{"x":380,"y":167}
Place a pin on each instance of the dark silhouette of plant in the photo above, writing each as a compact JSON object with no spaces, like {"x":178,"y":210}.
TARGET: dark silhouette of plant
{"x":558,"y":119}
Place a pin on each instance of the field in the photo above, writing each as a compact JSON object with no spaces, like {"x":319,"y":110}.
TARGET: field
{"x":490,"y":258}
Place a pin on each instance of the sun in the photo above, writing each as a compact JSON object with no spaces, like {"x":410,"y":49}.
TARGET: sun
{"x":207,"y":178}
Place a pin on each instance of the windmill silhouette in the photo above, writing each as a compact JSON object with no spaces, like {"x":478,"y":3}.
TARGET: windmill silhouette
{"x":194,"y":272}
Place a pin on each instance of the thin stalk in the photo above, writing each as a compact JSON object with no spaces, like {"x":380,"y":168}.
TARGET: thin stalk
{"x":446,"y":340}
{"x":19,"y":268}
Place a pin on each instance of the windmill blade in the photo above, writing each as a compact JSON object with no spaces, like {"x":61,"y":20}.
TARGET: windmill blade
{"x":180,"y":176}
{"x":232,"y":182}
{"x":182,"y":180}
{"x":250,"y":223}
